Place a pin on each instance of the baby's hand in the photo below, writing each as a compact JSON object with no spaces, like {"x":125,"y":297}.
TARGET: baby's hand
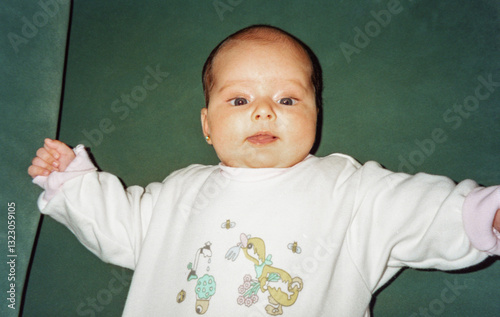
{"x":53,"y":156}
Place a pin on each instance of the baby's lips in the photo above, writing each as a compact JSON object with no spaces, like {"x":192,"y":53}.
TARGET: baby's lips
{"x":262,"y":138}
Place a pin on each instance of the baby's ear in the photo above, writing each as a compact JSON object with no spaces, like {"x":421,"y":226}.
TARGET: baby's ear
{"x":204,"y":122}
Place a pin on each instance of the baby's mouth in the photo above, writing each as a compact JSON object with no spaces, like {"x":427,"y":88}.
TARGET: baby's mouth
{"x":262,"y":138}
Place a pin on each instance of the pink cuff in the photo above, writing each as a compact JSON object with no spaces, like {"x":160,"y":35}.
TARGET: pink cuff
{"x":479,"y":211}
{"x":52,"y":184}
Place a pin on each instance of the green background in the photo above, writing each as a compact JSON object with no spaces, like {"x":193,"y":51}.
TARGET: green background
{"x":379,"y":104}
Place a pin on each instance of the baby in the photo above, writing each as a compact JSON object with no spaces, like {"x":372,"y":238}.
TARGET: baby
{"x":272,"y":229}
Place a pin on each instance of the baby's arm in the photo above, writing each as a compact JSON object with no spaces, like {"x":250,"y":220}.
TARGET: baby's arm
{"x":53,"y":156}
{"x":107,"y":218}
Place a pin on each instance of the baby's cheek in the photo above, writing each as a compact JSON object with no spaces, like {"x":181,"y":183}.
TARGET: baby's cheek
{"x":308,"y":125}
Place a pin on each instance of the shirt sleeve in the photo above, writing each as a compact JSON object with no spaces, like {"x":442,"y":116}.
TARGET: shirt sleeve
{"x":52,"y":184}
{"x":108,"y":219}
{"x":403,"y":220}
{"x":480,"y":208}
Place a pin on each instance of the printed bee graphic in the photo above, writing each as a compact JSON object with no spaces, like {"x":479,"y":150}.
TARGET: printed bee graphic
{"x":294,"y":247}
{"x":181,"y":296}
{"x":228,"y":224}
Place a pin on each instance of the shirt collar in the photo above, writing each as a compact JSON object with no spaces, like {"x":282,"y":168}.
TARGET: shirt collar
{"x":244,"y":174}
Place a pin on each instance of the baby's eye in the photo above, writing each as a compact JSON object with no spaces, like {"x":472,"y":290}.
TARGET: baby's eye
{"x":287,"y":101}
{"x":238,"y":101}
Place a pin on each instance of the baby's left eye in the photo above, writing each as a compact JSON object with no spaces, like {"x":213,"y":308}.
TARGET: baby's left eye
{"x":238,"y":101}
{"x":287,"y":101}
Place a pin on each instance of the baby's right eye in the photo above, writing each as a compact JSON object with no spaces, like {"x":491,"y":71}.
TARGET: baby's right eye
{"x":238,"y":101}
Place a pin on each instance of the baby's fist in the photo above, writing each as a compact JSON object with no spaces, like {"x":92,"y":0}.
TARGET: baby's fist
{"x":53,"y":156}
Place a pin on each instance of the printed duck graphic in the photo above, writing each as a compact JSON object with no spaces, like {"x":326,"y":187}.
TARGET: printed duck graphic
{"x":283,"y":289}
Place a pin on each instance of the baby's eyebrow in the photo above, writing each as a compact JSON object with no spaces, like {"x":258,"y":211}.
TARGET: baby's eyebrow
{"x":297,"y":84}
{"x":231,"y":83}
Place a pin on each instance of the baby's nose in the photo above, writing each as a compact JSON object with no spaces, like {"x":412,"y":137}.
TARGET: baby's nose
{"x":264,"y":111}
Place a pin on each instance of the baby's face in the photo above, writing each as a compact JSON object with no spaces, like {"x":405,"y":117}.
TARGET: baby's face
{"x":262,"y":110}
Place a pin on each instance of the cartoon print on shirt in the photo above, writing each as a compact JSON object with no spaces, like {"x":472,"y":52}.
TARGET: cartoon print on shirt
{"x":181,"y":296}
{"x":283,"y":289}
{"x":228,"y":224}
{"x":205,"y":286}
{"x":206,"y":252}
{"x":248,"y":291}
{"x":294,"y":247}
{"x":205,"y":289}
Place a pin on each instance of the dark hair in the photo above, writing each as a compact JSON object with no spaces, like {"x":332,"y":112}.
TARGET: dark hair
{"x":254,"y":32}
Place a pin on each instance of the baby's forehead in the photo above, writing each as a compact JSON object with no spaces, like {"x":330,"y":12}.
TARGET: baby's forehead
{"x":263,"y":45}
{"x":230,"y":58}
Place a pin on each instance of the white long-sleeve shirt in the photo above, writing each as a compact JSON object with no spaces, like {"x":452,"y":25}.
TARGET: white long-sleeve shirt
{"x":315,"y":239}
